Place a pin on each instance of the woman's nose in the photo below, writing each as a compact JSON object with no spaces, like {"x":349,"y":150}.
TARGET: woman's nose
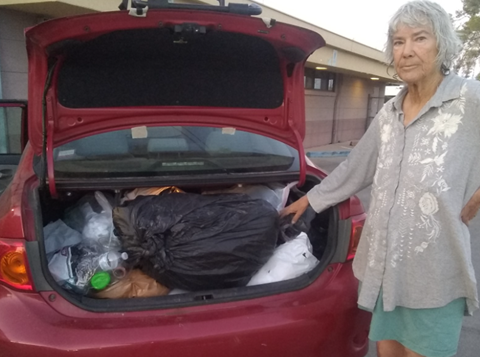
{"x":408,"y":50}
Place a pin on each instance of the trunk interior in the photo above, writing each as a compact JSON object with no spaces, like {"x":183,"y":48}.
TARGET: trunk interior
{"x":322,"y":233}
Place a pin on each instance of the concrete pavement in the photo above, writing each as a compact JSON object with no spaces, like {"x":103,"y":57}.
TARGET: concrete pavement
{"x":330,"y":156}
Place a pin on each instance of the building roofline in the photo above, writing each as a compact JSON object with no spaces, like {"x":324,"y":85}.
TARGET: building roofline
{"x":323,"y":29}
{"x":353,"y":55}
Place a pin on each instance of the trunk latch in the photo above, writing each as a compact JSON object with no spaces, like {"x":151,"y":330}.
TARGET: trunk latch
{"x":187,"y":31}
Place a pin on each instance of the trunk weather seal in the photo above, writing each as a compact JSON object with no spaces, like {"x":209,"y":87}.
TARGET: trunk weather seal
{"x":50,"y":161}
{"x":109,"y":183}
{"x":45,"y":132}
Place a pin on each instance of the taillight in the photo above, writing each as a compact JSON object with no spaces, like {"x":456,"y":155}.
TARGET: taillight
{"x":13,"y":264}
{"x":357,"y":227}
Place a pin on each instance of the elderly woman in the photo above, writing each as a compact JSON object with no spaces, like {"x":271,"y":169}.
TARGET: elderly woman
{"x":422,"y":155}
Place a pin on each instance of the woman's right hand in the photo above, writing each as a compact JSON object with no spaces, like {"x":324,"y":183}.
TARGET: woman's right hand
{"x":471,"y":208}
{"x":296,"y":208}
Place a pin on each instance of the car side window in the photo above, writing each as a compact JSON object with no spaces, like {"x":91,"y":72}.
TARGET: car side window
{"x":12,"y":139}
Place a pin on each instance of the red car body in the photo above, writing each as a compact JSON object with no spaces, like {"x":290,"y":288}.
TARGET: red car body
{"x":320,"y":318}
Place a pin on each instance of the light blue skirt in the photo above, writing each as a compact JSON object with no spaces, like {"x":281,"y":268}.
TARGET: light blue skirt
{"x":429,"y":332}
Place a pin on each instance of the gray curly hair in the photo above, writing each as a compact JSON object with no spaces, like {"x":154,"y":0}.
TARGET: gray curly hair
{"x":427,"y":13}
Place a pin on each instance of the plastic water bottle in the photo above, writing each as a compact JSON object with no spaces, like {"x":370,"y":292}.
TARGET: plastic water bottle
{"x":111,"y":260}
{"x":111,"y":269}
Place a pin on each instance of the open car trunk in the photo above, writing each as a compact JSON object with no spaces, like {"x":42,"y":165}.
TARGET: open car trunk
{"x":322,"y":235}
{"x":200,"y":100}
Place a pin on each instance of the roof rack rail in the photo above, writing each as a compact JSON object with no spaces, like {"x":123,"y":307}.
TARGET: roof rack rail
{"x":233,"y":8}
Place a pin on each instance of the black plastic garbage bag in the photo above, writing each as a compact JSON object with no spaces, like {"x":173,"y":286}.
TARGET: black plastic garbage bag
{"x":194,"y":242}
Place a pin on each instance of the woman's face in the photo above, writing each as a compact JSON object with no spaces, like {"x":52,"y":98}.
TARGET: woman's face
{"x":414,"y":54}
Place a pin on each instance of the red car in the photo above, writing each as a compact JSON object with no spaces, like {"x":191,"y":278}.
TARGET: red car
{"x":186,"y":96}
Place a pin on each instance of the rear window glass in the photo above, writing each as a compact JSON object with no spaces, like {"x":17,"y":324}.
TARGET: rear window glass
{"x":155,"y":67}
{"x":173,"y":150}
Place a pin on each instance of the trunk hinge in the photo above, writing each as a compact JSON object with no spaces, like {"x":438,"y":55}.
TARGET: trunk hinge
{"x":49,"y":148}
{"x":137,"y":8}
{"x":298,"y":137}
{"x":301,"y":153}
{"x":48,"y":123}
{"x":138,"y":12}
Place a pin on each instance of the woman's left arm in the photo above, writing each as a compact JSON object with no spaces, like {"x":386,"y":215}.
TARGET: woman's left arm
{"x":473,"y":205}
{"x":471,"y":208}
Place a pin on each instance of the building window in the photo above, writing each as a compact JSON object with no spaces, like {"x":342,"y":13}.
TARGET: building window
{"x":10,"y":130}
{"x":319,"y":80}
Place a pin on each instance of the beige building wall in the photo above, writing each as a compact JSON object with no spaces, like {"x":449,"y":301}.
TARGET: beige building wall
{"x":13,"y":54}
{"x":353,"y":107}
{"x":344,"y":114}
{"x":319,"y":110}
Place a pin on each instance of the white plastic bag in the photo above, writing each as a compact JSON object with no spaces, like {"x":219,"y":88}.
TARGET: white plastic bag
{"x":289,"y":261}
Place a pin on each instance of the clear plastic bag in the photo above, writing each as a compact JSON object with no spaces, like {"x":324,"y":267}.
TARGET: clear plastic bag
{"x":99,"y":250}
{"x":98,"y":228}
{"x":73,"y":267}
{"x":92,"y":216}
{"x":75,"y":216}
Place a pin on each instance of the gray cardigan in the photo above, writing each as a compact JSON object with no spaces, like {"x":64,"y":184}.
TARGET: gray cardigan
{"x":414,"y":244}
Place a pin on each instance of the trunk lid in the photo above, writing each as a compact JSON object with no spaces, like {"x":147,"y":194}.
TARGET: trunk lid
{"x":95,"y":73}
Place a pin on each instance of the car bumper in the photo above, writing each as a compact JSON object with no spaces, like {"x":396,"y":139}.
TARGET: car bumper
{"x":320,"y":320}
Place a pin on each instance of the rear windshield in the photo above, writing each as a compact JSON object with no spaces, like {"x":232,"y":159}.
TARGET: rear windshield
{"x":173,"y":150}
{"x":155,"y":67}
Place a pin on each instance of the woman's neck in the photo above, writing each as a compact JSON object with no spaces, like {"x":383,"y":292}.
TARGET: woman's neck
{"x":420,"y":93}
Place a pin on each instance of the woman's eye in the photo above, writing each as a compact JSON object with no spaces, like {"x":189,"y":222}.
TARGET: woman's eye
{"x":420,"y":39}
{"x":397,"y":43}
